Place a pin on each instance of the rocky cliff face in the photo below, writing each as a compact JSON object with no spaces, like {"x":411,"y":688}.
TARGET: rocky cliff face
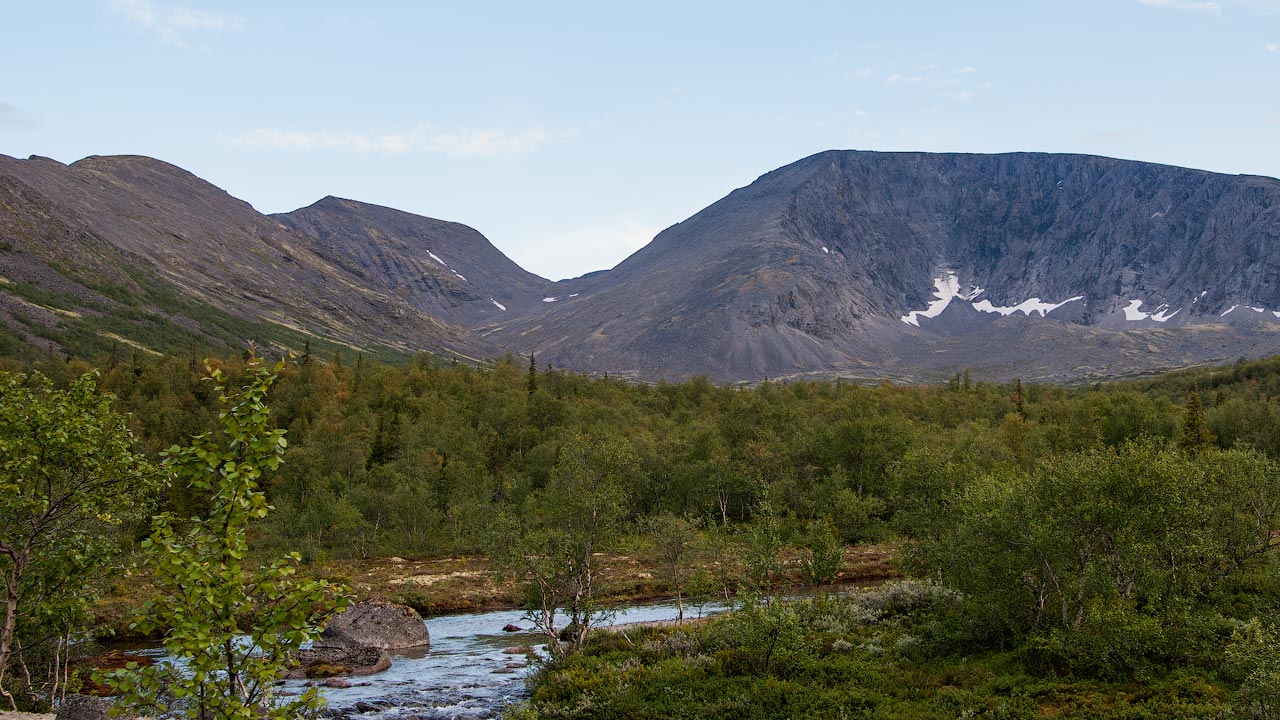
{"x":864,"y":262}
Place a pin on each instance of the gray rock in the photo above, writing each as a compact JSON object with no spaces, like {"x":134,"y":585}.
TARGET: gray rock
{"x":382,"y":625}
{"x":86,"y":707}
{"x":327,"y":662}
{"x":745,"y":290}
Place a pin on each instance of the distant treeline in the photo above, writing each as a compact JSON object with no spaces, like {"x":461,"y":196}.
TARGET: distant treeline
{"x":415,"y":459}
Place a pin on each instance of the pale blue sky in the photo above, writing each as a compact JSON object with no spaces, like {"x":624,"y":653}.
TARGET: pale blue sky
{"x":571,"y":133}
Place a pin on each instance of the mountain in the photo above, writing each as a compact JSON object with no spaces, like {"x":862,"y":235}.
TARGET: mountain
{"x":445,"y":269}
{"x":131,"y":250}
{"x":908,"y":266}
{"x":917,"y":265}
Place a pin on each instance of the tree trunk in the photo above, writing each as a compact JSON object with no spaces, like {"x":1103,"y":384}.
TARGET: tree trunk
{"x":10,"y":628}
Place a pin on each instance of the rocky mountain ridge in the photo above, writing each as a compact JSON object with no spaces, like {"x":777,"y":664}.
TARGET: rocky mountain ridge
{"x":909,"y":266}
{"x":866,"y":263}
{"x":134,"y":250}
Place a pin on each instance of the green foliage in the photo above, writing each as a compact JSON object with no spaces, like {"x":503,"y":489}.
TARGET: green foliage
{"x":1254,"y":654}
{"x":762,"y":552}
{"x":824,"y":554}
{"x":69,"y":480}
{"x":864,"y":655}
{"x":1196,"y":436}
{"x":675,"y":553}
{"x":398,"y":460}
{"x":555,"y":554}
{"x":1082,"y":542}
{"x":207,"y":593}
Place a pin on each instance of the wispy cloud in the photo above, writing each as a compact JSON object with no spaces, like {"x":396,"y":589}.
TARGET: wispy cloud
{"x":1209,"y":6}
{"x":899,"y":78}
{"x":172,"y":24}
{"x":1262,"y":6}
{"x":1216,"y":7}
{"x":467,"y":142}
{"x":9,"y":114}
{"x":957,"y":84}
{"x":1272,"y":47}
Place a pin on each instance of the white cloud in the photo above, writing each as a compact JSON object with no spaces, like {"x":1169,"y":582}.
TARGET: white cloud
{"x":468,"y":142}
{"x":862,"y":72}
{"x":1209,"y":6}
{"x":1272,"y":47}
{"x":1263,"y":6}
{"x":968,"y":69}
{"x":171,"y":23}
{"x":487,"y":142}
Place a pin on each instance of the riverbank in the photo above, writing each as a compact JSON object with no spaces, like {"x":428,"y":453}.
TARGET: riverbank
{"x":444,"y":586}
{"x":886,"y":652}
{"x":467,"y":584}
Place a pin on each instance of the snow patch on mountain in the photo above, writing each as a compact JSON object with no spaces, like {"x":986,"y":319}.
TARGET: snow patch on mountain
{"x":948,"y":289}
{"x":1026,"y":307}
{"x":1161,"y":314}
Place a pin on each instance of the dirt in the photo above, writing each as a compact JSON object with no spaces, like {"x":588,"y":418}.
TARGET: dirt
{"x":443,"y":586}
{"x":466,"y":584}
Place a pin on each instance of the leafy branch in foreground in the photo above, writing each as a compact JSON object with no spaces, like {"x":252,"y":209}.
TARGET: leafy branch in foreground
{"x":68,"y":480}
{"x":206,"y":592}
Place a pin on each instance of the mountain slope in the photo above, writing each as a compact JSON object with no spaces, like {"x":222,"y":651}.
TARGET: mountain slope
{"x":132,"y":249}
{"x":841,"y":263}
{"x":446,"y":269}
{"x":909,"y":266}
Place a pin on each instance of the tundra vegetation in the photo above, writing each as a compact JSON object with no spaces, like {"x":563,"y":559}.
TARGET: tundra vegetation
{"x":1100,"y":551}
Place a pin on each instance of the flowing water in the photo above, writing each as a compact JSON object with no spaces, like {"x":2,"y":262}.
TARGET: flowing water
{"x":464,"y":673}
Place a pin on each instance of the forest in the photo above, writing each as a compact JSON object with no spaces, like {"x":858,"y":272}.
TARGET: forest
{"x":1101,"y":551}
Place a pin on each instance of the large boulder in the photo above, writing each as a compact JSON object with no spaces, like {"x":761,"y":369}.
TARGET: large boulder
{"x":85,"y":707}
{"x":378,"y":624}
{"x":320,"y":663}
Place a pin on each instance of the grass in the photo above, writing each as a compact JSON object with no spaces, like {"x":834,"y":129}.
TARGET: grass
{"x":820,"y":659}
{"x":153,"y":316}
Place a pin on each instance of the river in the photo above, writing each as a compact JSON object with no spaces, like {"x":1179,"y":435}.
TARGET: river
{"x":463,"y":674}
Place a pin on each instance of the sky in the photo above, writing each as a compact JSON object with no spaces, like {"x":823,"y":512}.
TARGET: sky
{"x":572,"y":133}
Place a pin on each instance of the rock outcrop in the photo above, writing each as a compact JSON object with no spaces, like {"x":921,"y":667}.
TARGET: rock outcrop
{"x":377,"y":624}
